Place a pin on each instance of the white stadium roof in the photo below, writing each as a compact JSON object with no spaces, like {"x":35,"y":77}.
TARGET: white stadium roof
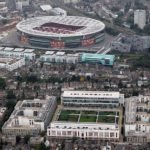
{"x":90,"y":25}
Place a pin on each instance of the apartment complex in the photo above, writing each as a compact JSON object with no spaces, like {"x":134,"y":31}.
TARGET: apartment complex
{"x":30,"y":117}
{"x":137,"y":119}
{"x":106,"y":99}
{"x":140,"y":18}
{"x":131,"y":43}
{"x":72,"y":120}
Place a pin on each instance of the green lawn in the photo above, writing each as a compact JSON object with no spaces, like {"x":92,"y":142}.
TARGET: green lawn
{"x":69,"y":112}
{"x":106,"y":119}
{"x":89,"y":112}
{"x":107,"y":113}
{"x":71,"y":118}
{"x":87,"y":118}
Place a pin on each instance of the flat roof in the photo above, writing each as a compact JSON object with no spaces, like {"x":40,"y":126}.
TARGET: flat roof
{"x":29,"y":50}
{"x":46,"y":7}
{"x":49,"y":52}
{"x":18,"y":49}
{"x":94,"y":94}
{"x":60,"y":53}
{"x":8,"y":49}
{"x":1,"y":48}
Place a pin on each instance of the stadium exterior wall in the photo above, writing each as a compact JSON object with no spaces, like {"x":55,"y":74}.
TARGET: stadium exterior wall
{"x":61,"y":42}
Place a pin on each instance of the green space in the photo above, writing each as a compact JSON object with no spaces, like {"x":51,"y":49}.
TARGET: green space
{"x":87,"y":118}
{"x":71,"y":118}
{"x":106,"y":119}
{"x":69,"y":112}
{"x":105,"y":113}
{"x":89,"y":112}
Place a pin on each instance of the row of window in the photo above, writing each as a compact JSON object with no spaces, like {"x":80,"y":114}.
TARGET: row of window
{"x":84,"y":134}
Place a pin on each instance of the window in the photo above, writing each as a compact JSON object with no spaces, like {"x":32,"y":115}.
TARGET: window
{"x":101,"y":134}
{"x":106,"y":134}
{"x":111,"y":134}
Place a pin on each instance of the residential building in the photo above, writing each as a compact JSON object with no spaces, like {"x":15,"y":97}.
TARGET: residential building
{"x":131,"y":43}
{"x":2,"y":112}
{"x":21,"y":3}
{"x":107,"y":99}
{"x":121,"y":47}
{"x":84,"y":130}
{"x":30,"y":117}
{"x":59,"y":57}
{"x":137,"y":119}
{"x":28,"y":54}
{"x":140,"y":18}
{"x":11,"y":64}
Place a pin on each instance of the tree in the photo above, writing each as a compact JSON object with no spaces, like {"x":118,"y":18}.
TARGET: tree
{"x":26,"y":139}
{"x":18,"y":139}
{"x":32,"y":78}
{"x":2,"y":83}
{"x":10,"y":95}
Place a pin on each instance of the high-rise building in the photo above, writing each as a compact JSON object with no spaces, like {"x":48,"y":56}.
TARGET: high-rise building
{"x":140,"y":18}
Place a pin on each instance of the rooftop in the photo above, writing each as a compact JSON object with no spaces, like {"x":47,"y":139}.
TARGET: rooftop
{"x":49,"y":52}
{"x":8,"y":48}
{"x":18,"y":50}
{"x":60,"y":53}
{"x":29,"y":50}
{"x":98,"y":94}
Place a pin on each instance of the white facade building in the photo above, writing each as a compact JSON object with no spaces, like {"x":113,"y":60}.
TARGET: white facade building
{"x":30,"y":117}
{"x":83,"y":130}
{"x":28,"y":54}
{"x":92,"y":98}
{"x":140,"y":18}
{"x":21,"y":3}
{"x":59,"y":57}
{"x":11,"y":64}
{"x":137,"y":119}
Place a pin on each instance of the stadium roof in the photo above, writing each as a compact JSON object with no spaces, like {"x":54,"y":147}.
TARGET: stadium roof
{"x":89,"y":26}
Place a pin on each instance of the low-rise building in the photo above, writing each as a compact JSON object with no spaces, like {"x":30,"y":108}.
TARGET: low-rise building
{"x":17,"y":53}
{"x":11,"y":64}
{"x":30,"y":117}
{"x":59,"y":57}
{"x":106,"y":99}
{"x":2,"y":112}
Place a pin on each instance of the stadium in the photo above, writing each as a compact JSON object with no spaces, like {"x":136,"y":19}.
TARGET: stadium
{"x":60,"y":31}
